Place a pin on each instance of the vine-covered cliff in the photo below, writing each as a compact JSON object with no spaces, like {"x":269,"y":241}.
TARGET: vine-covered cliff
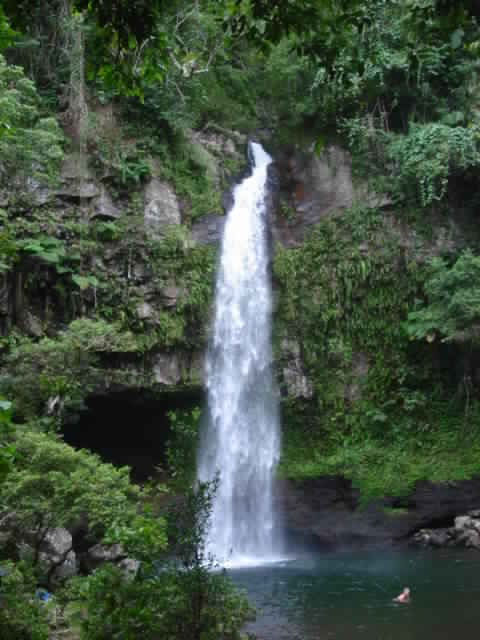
{"x":112,"y":208}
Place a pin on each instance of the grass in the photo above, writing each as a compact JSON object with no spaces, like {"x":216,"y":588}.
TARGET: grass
{"x":395,"y":511}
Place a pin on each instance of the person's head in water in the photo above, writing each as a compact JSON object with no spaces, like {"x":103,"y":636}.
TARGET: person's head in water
{"x":404,"y":596}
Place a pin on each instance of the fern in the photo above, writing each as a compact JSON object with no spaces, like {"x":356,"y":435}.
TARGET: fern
{"x":425,"y":159}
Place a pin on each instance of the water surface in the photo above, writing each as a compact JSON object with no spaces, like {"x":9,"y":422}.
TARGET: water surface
{"x":348,"y":595}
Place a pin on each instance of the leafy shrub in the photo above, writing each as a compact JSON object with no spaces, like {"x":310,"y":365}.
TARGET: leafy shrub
{"x":22,"y":615}
{"x":451,"y":310}
{"x":30,"y":145}
{"x":7,"y":450}
{"x":126,"y":168}
{"x":176,"y":597}
{"x":53,"y":485}
{"x":181,"y":447}
{"x":66,"y":366}
{"x":425,"y":159}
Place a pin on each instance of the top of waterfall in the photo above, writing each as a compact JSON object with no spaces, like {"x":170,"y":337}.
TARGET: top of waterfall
{"x":260,"y":157}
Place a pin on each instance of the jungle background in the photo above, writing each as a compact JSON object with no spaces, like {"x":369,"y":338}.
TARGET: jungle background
{"x":123,"y":125}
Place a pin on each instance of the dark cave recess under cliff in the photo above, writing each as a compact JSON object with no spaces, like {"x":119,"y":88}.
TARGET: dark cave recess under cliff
{"x":130,"y":428}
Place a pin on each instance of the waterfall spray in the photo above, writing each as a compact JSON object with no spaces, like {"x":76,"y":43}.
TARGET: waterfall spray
{"x":241,"y":441}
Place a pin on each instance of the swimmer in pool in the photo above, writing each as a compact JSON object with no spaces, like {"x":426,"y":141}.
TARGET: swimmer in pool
{"x":404,"y":597}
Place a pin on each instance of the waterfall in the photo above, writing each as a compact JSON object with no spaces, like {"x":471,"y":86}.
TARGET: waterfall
{"x":241,"y":441}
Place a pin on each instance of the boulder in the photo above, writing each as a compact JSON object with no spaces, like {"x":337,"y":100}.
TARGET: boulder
{"x":145,"y":311}
{"x":56,"y":553}
{"x":99,"y":554}
{"x":432,"y":537}
{"x":38,"y":193}
{"x":464,"y":533}
{"x":104,"y":207}
{"x":31,"y":325}
{"x":473,"y":540}
{"x":218,"y":141}
{"x":169,"y":295}
{"x":161,"y":208}
{"x":440,"y":538}
{"x":129,"y":566}
{"x":463,"y":522}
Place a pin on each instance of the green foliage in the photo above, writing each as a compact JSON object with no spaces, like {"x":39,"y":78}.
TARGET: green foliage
{"x":383,"y":413}
{"x":52,"y":485}
{"x":192,"y":271}
{"x":30,"y":145}
{"x":22,"y":615}
{"x":451,"y":310}
{"x":125,"y":168}
{"x":343,"y":292}
{"x":170,"y":598}
{"x":7,"y":450}
{"x":45,"y":248}
{"x":283,"y":82}
{"x":30,"y":253}
{"x":107,"y":231}
{"x":169,"y":604}
{"x":436,"y":450}
{"x":188,"y":167}
{"x":7,"y":35}
{"x":428,"y":156}
{"x":8,"y":246}
{"x":181,"y":447}
{"x":125,"y":25}
{"x":66,"y":366}
{"x":143,"y":536}
{"x":397,"y":56}
{"x":344,"y":298}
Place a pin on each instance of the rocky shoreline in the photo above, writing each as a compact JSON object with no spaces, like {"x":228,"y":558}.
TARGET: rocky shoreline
{"x":464,"y":534}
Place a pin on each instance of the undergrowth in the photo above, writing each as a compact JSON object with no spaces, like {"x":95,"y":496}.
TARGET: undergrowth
{"x":379,"y":468}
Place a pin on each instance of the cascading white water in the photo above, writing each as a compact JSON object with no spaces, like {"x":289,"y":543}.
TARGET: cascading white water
{"x":241,"y":442}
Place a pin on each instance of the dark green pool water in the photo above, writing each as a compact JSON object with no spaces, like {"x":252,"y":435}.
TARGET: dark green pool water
{"x":341,"y":596}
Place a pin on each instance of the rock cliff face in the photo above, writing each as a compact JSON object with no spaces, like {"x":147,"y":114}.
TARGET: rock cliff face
{"x":306,"y":188}
{"x":314,"y":186}
{"x":113,"y":233}
{"x":325,"y":512}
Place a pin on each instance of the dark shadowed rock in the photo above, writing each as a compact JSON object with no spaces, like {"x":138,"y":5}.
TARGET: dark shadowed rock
{"x":326,"y":512}
{"x":464,"y":533}
{"x":100,"y":554}
{"x":104,"y":207}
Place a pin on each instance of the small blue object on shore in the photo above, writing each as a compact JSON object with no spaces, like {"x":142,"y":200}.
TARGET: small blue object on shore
{"x":43,"y":595}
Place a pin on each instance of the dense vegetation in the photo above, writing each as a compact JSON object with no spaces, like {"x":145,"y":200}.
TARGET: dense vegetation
{"x":382,"y":303}
{"x":389,"y":337}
